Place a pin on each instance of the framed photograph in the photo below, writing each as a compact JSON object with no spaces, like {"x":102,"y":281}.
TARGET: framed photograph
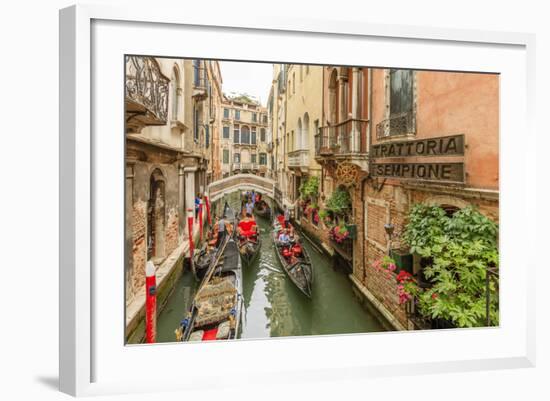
{"x":311,"y":191}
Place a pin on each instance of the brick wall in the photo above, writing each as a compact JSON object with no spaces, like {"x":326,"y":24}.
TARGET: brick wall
{"x":172,"y":231}
{"x":393,"y":202}
{"x":139,"y":249}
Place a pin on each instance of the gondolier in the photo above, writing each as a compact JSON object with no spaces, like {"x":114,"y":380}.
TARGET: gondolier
{"x":287,"y":216}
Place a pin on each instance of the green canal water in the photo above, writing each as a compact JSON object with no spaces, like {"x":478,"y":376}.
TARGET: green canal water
{"x":273,"y":307}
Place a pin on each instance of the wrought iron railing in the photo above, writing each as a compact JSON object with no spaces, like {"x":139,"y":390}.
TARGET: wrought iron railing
{"x":347,"y":137}
{"x":146,"y":89}
{"x":398,"y":124}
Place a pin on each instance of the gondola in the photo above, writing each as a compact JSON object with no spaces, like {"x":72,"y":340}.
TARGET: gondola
{"x":215,"y":313}
{"x":249,"y":248}
{"x":297,"y":264}
{"x":262,"y":209}
{"x":204,"y":256}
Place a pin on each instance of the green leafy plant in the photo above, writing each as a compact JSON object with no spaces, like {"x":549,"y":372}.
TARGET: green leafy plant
{"x":339,"y":201}
{"x":309,"y":188}
{"x":458,"y":250}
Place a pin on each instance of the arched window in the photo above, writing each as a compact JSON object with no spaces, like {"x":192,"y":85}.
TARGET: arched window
{"x":175,"y":92}
{"x":305,"y":132}
{"x":297,"y":139}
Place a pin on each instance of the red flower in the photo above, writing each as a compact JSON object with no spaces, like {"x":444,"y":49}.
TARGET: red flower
{"x":434,"y":295}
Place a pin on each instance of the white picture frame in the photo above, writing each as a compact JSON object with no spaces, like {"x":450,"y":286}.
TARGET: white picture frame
{"x":94,"y":361}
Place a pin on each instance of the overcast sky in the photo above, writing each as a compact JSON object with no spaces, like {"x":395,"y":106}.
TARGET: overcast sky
{"x":251,"y":78}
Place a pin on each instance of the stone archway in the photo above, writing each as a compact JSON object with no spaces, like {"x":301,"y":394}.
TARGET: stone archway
{"x":156,"y":216}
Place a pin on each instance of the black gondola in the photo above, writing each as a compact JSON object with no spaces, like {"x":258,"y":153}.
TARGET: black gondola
{"x":262,"y":209}
{"x":249,"y":247}
{"x":205,"y":255}
{"x":215,"y":313}
{"x":296,"y":264}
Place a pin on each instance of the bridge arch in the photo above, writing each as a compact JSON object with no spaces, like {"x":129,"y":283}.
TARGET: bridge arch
{"x":244,"y":182}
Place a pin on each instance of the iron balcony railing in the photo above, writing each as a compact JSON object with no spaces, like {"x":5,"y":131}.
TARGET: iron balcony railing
{"x":347,"y":137}
{"x":398,"y":124}
{"x":146,"y":91}
{"x":298,"y":158}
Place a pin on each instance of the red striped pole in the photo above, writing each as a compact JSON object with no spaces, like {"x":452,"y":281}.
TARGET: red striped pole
{"x":209,"y":217}
{"x":190,"y":226}
{"x":150,"y":303}
{"x":200,"y":222}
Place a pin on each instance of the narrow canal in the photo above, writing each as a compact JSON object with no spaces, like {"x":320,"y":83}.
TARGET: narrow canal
{"x":273,"y":306}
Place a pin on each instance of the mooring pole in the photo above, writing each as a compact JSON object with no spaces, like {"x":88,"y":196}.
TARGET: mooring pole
{"x":191,"y":245}
{"x":200,"y":221}
{"x":150,"y":303}
{"x":208,"y":216}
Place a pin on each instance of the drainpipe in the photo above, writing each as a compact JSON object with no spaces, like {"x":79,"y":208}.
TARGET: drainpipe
{"x":363,"y":181}
{"x":369,"y":134}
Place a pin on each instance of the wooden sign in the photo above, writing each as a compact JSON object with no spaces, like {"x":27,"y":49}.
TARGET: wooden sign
{"x":443,"y":146}
{"x":444,"y":172}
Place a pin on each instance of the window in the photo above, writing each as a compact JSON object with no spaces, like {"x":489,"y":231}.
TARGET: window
{"x":293,"y":83}
{"x":253,"y":158}
{"x":245,"y":134}
{"x":196,"y":125}
{"x":225,"y":113}
{"x":254,"y":117}
{"x":253,"y":138}
{"x":197,"y":72}
{"x":225,"y":132}
{"x":236,"y":157}
{"x":262,"y":135}
{"x":176,"y":93}
{"x":263,"y":159}
{"x":207,"y":136}
{"x":225,"y":156}
{"x":237,"y":114}
{"x":236,"y":134}
{"x":401,"y":102}
{"x":265,"y":119}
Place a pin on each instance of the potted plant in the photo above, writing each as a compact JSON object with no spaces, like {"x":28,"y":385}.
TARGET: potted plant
{"x":339,"y":233}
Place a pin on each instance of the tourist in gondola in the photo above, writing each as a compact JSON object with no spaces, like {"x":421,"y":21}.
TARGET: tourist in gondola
{"x":247,"y":228}
{"x":248,"y":208}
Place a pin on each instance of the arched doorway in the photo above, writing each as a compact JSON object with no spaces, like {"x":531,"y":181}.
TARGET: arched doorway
{"x":156,"y":216}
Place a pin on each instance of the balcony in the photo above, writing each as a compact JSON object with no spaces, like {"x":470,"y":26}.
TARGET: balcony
{"x":402,"y":124}
{"x":200,"y":85}
{"x":245,"y":166}
{"x":146,"y":94}
{"x":298,"y":159}
{"x":346,"y":140}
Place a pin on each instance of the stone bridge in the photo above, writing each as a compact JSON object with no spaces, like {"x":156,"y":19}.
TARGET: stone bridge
{"x":244,"y":182}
